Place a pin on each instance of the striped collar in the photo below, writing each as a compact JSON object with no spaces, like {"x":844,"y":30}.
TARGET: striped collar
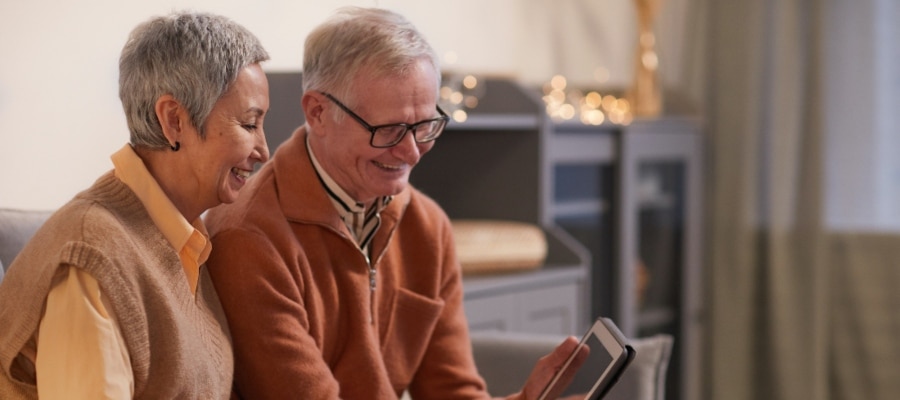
{"x":361,"y":222}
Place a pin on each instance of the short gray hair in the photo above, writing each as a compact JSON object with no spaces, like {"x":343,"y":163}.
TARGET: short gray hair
{"x":195,"y":57}
{"x":382,"y":41}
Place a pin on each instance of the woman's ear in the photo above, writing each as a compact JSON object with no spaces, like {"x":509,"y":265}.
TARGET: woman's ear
{"x":171,"y":118}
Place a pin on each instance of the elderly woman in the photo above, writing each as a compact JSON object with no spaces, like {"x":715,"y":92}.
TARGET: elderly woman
{"x":111,"y":298}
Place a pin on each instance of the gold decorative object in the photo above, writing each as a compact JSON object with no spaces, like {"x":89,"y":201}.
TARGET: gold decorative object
{"x":645,"y":95}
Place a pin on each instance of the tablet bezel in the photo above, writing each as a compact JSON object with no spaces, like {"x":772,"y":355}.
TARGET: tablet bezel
{"x":615,"y":344}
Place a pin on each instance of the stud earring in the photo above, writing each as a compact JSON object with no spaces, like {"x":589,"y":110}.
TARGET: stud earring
{"x":176,"y":146}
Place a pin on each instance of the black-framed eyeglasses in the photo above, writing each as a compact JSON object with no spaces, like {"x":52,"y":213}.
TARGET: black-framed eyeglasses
{"x":389,"y":135}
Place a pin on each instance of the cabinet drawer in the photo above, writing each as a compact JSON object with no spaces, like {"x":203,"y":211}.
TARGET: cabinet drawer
{"x":551,"y":310}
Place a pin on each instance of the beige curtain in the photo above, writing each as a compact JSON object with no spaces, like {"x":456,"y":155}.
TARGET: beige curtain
{"x":865,"y":316}
{"x":795,"y":311}
{"x":768,"y":318}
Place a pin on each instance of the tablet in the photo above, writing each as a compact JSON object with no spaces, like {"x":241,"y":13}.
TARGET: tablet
{"x":608,"y":354}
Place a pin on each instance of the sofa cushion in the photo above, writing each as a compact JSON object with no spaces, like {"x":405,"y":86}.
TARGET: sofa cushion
{"x":645,"y":378}
{"x":16,"y":228}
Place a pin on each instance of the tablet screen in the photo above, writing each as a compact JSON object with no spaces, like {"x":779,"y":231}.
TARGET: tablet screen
{"x":597,"y":362}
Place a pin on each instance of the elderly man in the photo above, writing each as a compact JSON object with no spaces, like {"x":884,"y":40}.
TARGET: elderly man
{"x":338,"y":279}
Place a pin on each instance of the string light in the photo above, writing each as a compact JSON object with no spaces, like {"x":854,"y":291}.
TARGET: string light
{"x":591,"y":108}
{"x":460,"y":94}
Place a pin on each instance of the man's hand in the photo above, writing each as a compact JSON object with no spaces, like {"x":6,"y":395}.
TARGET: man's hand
{"x":549,"y":365}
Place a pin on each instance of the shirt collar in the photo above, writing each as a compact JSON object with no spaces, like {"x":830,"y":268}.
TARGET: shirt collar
{"x":188,"y":238}
{"x":352,"y":212}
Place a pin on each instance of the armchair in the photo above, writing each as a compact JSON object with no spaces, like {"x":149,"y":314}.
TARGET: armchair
{"x":505,"y":360}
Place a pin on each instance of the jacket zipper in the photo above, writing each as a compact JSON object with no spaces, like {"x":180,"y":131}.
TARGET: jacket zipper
{"x":372,"y":284}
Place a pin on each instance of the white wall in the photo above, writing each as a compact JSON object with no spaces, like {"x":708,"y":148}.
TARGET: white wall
{"x":862,"y":125}
{"x":60,"y":116}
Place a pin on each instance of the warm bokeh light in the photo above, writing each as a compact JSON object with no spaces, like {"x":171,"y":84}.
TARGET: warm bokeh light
{"x":593,"y":99}
{"x":446,"y":92}
{"x":558,"y":82}
{"x":650,"y":60}
{"x":557,"y":96}
{"x":566,"y":111}
{"x":616,"y":118}
{"x":456,"y":97}
{"x":591,"y":108}
{"x":593,"y":117}
{"x":460,"y":116}
{"x":470,"y":81}
{"x":609,"y":102}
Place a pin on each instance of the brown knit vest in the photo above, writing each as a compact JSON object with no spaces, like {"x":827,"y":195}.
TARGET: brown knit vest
{"x":178,"y":344}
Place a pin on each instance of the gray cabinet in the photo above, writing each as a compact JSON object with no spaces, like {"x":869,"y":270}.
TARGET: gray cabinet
{"x":632,"y":196}
{"x":623,"y":203}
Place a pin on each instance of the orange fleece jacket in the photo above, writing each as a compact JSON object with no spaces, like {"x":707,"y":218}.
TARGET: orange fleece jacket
{"x":296,"y":291}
